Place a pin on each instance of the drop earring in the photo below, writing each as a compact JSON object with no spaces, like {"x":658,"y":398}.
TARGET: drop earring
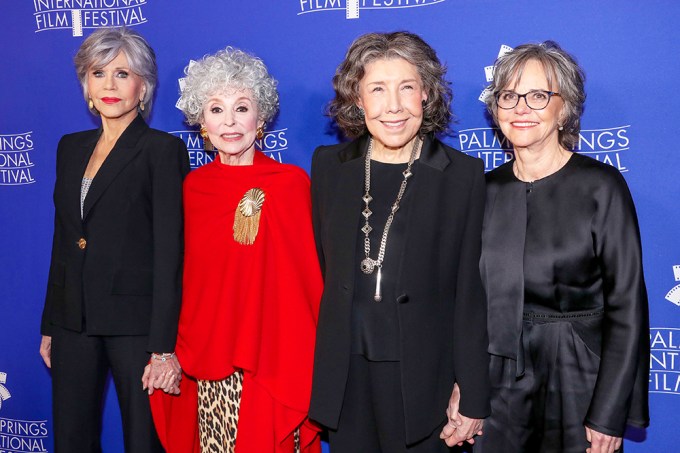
{"x":259,"y":132}
{"x":207,"y":144}
{"x":90,"y":103}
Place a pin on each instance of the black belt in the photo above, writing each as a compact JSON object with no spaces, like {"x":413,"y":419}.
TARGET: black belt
{"x":530,"y":315}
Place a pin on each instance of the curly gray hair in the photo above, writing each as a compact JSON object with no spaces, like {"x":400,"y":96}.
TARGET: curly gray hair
{"x":563,"y":73}
{"x":226,"y":70}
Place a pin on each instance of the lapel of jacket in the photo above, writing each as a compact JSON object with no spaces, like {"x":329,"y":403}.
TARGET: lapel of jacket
{"x":123,"y":152}
{"x":432,"y":163}
{"x":348,"y":206}
{"x":72,"y":180}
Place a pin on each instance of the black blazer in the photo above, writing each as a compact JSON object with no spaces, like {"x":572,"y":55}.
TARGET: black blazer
{"x":441,"y":302}
{"x":118,"y":270}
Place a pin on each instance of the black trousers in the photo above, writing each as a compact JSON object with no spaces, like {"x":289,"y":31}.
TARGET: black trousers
{"x":80,"y":365}
{"x":372,"y":417}
{"x":542,"y":411}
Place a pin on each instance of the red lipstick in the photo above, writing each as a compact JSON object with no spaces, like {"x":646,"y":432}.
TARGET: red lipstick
{"x":110,"y":100}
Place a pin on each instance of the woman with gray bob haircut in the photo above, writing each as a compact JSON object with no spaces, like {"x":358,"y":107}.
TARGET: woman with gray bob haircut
{"x":562,"y":267}
{"x":561,"y":69}
{"x":246,"y":335}
{"x":106,"y":44}
{"x":114,"y":284}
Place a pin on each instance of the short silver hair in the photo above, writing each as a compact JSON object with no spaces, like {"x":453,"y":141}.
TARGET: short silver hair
{"x":563,"y":73}
{"x":104,"y":45}
{"x":227,"y":70}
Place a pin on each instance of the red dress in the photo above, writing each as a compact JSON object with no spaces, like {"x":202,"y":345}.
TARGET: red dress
{"x":249,"y":307}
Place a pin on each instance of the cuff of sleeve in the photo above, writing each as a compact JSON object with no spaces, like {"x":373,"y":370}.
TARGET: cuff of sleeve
{"x":604,"y":430}
{"x":156,"y":345}
{"x":46,"y":329}
{"x":479,"y":410}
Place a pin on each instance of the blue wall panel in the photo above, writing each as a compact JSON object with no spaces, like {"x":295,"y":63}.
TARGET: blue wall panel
{"x":627,"y":48}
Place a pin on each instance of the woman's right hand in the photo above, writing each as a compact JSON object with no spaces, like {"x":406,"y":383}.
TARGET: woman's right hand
{"x":46,"y":350}
{"x":163,"y":374}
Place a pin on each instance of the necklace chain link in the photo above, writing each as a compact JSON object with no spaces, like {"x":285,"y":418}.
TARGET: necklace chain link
{"x":368,"y":264}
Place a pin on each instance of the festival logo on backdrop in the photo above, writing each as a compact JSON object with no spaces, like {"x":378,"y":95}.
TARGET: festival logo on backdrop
{"x":488,"y":143}
{"x":488,"y":71}
{"x":674,"y":294}
{"x":15,"y":159}
{"x":4,"y":393}
{"x":664,"y":366}
{"x":605,"y":145}
{"x":273,"y":144}
{"x":79,"y":15}
{"x":353,"y":7}
{"x":20,"y":436}
{"x":197,"y":156}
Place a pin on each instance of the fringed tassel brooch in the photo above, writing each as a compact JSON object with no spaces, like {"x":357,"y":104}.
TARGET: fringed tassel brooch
{"x":247,"y":216}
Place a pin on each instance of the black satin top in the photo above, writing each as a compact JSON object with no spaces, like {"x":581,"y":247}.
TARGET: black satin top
{"x":570,"y":244}
{"x":563,"y":252}
{"x":375,"y":325}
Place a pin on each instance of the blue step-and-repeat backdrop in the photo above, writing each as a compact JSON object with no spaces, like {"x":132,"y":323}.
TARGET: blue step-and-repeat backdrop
{"x":630,"y":50}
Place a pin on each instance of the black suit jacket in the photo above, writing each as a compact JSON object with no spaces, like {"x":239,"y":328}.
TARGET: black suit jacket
{"x":441,"y":301}
{"x":125,"y":277}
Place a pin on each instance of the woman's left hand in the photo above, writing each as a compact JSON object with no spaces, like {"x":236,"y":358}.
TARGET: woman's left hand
{"x":602,"y":443}
{"x":459,"y":428}
{"x":162,"y":374}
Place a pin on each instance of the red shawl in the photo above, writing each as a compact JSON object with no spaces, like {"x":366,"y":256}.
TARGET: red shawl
{"x":251,"y":307}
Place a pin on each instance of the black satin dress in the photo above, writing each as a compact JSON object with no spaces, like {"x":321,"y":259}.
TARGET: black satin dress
{"x":568,"y":317}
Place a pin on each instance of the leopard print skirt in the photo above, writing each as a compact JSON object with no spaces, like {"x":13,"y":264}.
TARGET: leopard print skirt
{"x":218,"y":408}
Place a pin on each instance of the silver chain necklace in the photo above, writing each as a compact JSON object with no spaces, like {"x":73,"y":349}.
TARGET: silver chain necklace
{"x":368,"y":264}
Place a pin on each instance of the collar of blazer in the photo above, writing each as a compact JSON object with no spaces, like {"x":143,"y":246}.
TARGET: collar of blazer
{"x":432,"y":153}
{"x":123,"y":152}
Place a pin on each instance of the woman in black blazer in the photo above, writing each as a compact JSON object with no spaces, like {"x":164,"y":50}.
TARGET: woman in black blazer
{"x":401,"y":359}
{"x":113,"y":294}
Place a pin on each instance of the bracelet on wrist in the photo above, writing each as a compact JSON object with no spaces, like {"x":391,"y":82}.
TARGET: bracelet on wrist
{"x":162,"y":357}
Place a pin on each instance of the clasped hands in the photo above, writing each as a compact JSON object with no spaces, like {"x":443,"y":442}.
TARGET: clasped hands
{"x":459,"y":428}
{"x":602,"y":443}
{"x":163,"y":372}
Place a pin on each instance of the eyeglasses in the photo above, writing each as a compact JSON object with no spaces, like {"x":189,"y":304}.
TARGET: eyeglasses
{"x":535,"y":99}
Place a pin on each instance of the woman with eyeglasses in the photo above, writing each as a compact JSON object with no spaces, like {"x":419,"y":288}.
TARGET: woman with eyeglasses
{"x":562,"y":266}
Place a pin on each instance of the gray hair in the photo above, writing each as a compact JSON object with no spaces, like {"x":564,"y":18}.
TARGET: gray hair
{"x":563,"y":74}
{"x":226,"y":70}
{"x":102,"y":46}
{"x":376,"y":46}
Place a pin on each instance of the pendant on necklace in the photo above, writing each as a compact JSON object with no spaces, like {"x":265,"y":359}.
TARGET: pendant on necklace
{"x":367,"y":265}
{"x":378,"y":292}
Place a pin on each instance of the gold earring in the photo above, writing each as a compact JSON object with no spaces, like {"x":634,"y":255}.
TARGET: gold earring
{"x":141,"y":105}
{"x":90,"y":104}
{"x":207,"y":145}
{"x":260,"y":132}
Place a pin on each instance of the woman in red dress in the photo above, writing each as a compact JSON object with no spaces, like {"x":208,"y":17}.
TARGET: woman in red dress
{"x":252,"y":282}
